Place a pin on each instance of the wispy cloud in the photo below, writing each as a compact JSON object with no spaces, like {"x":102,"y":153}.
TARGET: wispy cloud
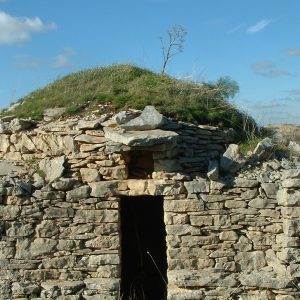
{"x":267,"y":105}
{"x":258,"y":26}
{"x":293,"y":52}
{"x":63,"y":60}
{"x":14,"y":30}
{"x":235,"y":29}
{"x":269,"y":70}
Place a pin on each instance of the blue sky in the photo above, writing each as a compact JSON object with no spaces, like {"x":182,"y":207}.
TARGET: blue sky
{"x":255,"y":42}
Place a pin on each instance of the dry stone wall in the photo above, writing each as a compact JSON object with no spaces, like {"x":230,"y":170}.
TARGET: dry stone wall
{"x":60,"y":190}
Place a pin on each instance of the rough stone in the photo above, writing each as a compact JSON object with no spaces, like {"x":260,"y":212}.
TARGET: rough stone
{"x":144,"y":138}
{"x":149,"y":119}
{"x":53,"y":168}
{"x":232,"y":160}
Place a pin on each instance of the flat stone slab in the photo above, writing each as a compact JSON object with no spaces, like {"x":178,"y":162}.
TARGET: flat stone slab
{"x":140,"y":138}
{"x":149,"y":119}
{"x":7,"y":168}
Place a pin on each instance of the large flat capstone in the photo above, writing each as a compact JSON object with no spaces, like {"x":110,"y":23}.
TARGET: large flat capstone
{"x":140,"y":138}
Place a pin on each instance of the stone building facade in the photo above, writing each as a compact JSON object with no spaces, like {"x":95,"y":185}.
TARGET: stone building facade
{"x":115,"y":207}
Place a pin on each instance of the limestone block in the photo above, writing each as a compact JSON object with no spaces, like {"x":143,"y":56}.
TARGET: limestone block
{"x":186,"y":252}
{"x":96,"y":216}
{"x":118,"y":172}
{"x":160,"y":187}
{"x":103,"y":259}
{"x":184,"y":294}
{"x":249,"y":194}
{"x":68,"y":245}
{"x":89,"y":124}
{"x":222,"y":254}
{"x":290,"y":212}
{"x":235,"y":204}
{"x":273,"y":261}
{"x":24,"y":289}
{"x":89,"y":175}
{"x":64,"y":262}
{"x":7,"y":250}
{"x":141,"y":138}
{"x":108,"y":271}
{"x":103,"y":284}
{"x":215,"y":198}
{"x":53,"y":168}
{"x":65,"y":184}
{"x":58,"y":212}
{"x":197,"y":186}
{"x":78,"y":193}
{"x":196,"y":241}
{"x":187,"y":205}
{"x":39,"y":247}
{"x":287,"y":242}
{"x":13,"y":156}
{"x":262,"y":279}
{"x":261,"y":203}
{"x":90,"y":139}
{"x":288,"y":197}
{"x":291,"y":173}
{"x":294,"y":269}
{"x":245,"y":183}
{"x":150,"y":118}
{"x":243,"y":244}
{"x":199,"y":278}
{"x":228,"y":236}
{"x":25,"y":144}
{"x":47,"y":229}
{"x":221,"y":220}
{"x":4,"y":143}
{"x":104,"y":242}
{"x":289,"y":255}
{"x":9,"y":212}
{"x":232,"y":160}
{"x":190,"y":263}
{"x":55,"y":288}
{"x":182,"y":229}
{"x":270,"y":189}
{"x":19,"y":230}
{"x":249,"y":261}
{"x":291,"y":183}
{"x":291,"y":227}
{"x":104,"y":188}
{"x":201,"y":220}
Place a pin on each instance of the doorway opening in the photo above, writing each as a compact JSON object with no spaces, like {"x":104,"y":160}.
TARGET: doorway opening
{"x":141,"y":164}
{"x":143,"y":242}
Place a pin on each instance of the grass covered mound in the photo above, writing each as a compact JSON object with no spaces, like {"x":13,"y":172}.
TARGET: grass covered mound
{"x":127,"y":86}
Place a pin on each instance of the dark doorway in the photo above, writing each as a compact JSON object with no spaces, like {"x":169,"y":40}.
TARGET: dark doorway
{"x":144,"y":258}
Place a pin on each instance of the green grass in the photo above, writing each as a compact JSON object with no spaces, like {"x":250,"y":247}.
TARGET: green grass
{"x":127,"y":86}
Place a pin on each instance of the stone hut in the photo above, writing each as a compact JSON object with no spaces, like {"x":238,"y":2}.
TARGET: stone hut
{"x":120,"y":207}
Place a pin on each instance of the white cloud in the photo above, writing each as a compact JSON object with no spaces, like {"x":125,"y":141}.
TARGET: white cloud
{"x":235,"y":29}
{"x":293,"y":52}
{"x":268,"y":69}
{"x":14,"y":30}
{"x":258,"y":26}
{"x":62,"y":60}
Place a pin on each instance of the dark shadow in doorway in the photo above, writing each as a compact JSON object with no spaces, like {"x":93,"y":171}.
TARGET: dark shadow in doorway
{"x":144,"y":259}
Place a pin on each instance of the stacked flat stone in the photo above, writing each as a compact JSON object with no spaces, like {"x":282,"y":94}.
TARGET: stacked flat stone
{"x":60,"y":191}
